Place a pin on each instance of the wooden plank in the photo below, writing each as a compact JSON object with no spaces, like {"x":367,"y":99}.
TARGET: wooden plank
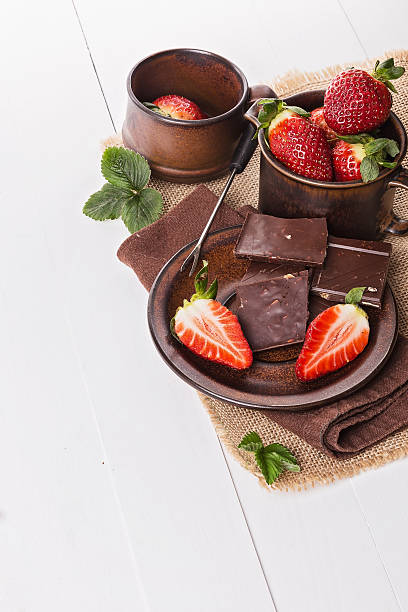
{"x":115,"y":486}
{"x":316,"y":548}
{"x":64,"y":545}
{"x":379,"y":28}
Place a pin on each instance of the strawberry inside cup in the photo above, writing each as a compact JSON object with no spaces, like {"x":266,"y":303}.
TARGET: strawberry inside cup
{"x":176,"y":107}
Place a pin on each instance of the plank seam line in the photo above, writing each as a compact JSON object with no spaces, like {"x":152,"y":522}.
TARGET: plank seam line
{"x":353,"y":28}
{"x":108,"y":465}
{"x":247,"y":525}
{"x":104,"y":453}
{"x":93,"y":65}
{"x":371,"y":533}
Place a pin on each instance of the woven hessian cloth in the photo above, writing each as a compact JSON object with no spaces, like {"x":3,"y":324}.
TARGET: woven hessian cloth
{"x":233,"y":422}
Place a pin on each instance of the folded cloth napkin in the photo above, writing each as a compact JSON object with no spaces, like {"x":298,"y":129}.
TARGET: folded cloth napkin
{"x":340,"y":429}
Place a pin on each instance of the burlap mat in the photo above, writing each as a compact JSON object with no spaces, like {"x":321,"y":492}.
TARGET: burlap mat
{"x":232,"y":422}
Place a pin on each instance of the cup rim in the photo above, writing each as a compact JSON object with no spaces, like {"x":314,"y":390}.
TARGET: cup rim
{"x":331,"y":184}
{"x":188,"y":122}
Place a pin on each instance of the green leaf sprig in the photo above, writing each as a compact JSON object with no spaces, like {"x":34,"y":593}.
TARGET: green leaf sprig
{"x":387,"y":72}
{"x":272,"y":460}
{"x":376,"y":151}
{"x":202,"y":292}
{"x":125,"y":194}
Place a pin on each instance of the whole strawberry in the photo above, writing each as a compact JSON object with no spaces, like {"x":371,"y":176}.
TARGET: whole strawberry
{"x":317,"y":117}
{"x":297,"y":143}
{"x":356,"y":101}
{"x":360,"y":157}
{"x":176,"y":107}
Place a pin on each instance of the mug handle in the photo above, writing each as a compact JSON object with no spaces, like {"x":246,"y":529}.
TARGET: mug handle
{"x":256,"y":93}
{"x":398,"y":226}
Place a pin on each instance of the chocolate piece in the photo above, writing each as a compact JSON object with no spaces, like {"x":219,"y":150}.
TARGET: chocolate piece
{"x":258,"y":271}
{"x":267,"y":238}
{"x":274,"y":312}
{"x":353,"y":263}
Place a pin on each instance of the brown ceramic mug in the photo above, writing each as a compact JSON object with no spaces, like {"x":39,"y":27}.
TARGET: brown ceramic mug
{"x":353,"y":209}
{"x":188,"y":151}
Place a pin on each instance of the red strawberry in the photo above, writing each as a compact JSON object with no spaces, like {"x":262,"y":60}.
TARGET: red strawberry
{"x":356,"y":101}
{"x":297,"y":143}
{"x":209,"y":329}
{"x":360,"y":157}
{"x":336,"y":336}
{"x":317,"y":117}
{"x":177,"y":107}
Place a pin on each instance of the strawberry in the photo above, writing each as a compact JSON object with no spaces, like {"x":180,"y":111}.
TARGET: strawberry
{"x":297,"y":143}
{"x":356,"y":101}
{"x":317,"y":117}
{"x":336,"y":336}
{"x":176,"y":107}
{"x":209,"y":329}
{"x":360,"y":157}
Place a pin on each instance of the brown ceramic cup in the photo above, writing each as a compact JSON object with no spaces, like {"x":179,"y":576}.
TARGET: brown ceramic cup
{"x":188,"y":151}
{"x":353,"y":209}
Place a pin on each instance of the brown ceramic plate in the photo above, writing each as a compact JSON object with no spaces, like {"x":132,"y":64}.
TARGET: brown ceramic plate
{"x":271,"y":381}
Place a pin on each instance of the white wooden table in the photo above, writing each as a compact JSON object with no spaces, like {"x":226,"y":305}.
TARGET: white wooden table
{"x":115,"y":494}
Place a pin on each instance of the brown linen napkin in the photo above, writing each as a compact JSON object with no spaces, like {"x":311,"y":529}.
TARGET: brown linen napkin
{"x":148,"y":250}
{"x":340,"y":429}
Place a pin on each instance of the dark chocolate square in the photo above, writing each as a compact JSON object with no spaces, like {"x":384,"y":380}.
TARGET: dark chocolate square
{"x":267,"y":238}
{"x":353,"y":263}
{"x":274,"y":312}
{"x":258,"y":271}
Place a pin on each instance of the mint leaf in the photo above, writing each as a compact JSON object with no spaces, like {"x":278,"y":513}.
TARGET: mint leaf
{"x":287,"y":460}
{"x":392,"y":147}
{"x":376,"y":145}
{"x":142,"y":209}
{"x":272,"y":460}
{"x":251,"y":442}
{"x":269,"y":465}
{"x":125,"y":169}
{"x":387,"y":164}
{"x":355,"y":295}
{"x":107,"y":203}
{"x":369,"y":169}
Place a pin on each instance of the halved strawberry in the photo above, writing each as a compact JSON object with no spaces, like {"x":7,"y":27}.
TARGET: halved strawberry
{"x":356,"y":101}
{"x":297,"y":143}
{"x":336,"y":336}
{"x":317,"y":117}
{"x":208,"y":328}
{"x":360,"y":157}
{"x":176,"y":107}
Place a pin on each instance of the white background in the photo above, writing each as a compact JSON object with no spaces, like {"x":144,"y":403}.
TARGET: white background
{"x":115,"y":494}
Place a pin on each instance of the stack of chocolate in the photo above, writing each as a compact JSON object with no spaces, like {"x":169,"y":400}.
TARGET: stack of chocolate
{"x":295,"y":271}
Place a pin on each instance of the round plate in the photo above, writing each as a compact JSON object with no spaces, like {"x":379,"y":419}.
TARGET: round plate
{"x":271,"y":381}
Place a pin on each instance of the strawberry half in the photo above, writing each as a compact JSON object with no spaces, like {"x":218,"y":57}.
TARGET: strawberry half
{"x":335,"y":337}
{"x":356,"y":101}
{"x":360,"y":157}
{"x":209,"y":329}
{"x":176,"y":107}
{"x":297,"y":143}
{"x":317,"y":117}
